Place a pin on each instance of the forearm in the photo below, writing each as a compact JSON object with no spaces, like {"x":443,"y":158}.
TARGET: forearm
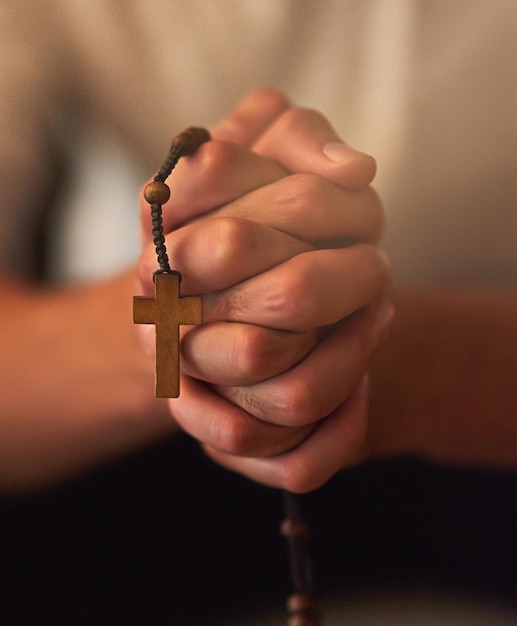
{"x":444,"y":385}
{"x":76,"y":388}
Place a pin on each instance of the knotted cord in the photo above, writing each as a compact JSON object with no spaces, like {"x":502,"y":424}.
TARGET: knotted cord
{"x":301,"y":606}
{"x":156,"y":193}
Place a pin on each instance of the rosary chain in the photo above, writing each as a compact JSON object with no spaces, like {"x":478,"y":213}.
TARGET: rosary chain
{"x":301,"y":606}
{"x":156,"y":193}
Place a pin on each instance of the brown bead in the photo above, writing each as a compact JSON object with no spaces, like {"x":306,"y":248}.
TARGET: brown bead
{"x":300,"y":603}
{"x":191,"y":139}
{"x":157,"y":192}
{"x":302,"y":610}
{"x":295,"y":528}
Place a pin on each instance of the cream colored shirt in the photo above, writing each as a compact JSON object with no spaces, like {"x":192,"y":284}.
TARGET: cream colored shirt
{"x":429,"y":87}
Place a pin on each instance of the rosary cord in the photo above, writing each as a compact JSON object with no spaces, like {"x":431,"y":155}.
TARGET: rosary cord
{"x":159,"y":238}
{"x":156,"y":193}
{"x":301,"y":605}
{"x":175,"y":152}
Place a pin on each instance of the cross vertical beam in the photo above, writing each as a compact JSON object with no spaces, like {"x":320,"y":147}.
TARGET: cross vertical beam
{"x":167,"y":311}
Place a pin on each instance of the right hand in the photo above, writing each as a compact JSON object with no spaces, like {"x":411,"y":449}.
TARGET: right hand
{"x":281,"y":241}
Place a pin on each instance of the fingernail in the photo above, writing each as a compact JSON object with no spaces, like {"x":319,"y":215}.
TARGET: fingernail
{"x":338,"y":151}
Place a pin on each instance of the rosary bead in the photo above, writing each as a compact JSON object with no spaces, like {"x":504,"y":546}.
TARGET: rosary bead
{"x":300,"y":603}
{"x":295,"y":528}
{"x":157,"y":192}
{"x":191,"y":139}
{"x":302,"y":610}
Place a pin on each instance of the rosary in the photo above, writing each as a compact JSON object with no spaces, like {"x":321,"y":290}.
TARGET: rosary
{"x":167,"y":311}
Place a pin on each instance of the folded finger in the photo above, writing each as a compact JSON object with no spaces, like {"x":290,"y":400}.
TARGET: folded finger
{"x":309,"y":290}
{"x":312,"y":208}
{"x":255,"y":112}
{"x":217,"y":173}
{"x":241,"y":354}
{"x":214,"y":421}
{"x":303,"y":140}
{"x":320,"y":382}
{"x":333,"y":445}
{"x":215,"y":253}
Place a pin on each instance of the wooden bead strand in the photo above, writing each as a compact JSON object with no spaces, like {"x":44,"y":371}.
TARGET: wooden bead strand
{"x":167,"y":311}
{"x":301,"y":606}
{"x":156,"y":193}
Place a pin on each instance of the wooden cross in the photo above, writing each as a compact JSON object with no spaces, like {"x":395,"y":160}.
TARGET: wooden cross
{"x":167,"y":311}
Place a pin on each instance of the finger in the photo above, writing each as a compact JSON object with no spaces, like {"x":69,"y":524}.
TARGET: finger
{"x":250,"y":118}
{"x":217,"y":172}
{"x":303,"y":140}
{"x":216,"y":253}
{"x":333,"y":445}
{"x":214,"y":421}
{"x":309,"y":290}
{"x":289,"y":205}
{"x":241,"y":354}
{"x":323,"y":380}
{"x":214,"y":175}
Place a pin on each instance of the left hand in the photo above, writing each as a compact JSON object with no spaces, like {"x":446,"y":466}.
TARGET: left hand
{"x":273,"y":382}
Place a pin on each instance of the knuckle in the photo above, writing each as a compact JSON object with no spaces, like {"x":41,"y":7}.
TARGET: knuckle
{"x":294,"y":303}
{"x":213,"y":160}
{"x":254,"y":353}
{"x":292,"y":404}
{"x":234,"y":437}
{"x":230,"y":239}
{"x":298,"y":476}
{"x":294,"y":117}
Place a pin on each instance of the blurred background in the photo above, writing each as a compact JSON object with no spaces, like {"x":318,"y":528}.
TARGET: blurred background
{"x":91,"y":95}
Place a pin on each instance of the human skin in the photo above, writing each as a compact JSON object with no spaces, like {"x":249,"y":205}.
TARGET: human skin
{"x":294,"y":289}
{"x":442,"y":385}
{"x":78,"y":390}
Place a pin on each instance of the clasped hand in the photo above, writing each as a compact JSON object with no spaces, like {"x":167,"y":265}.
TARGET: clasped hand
{"x":275,"y":225}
